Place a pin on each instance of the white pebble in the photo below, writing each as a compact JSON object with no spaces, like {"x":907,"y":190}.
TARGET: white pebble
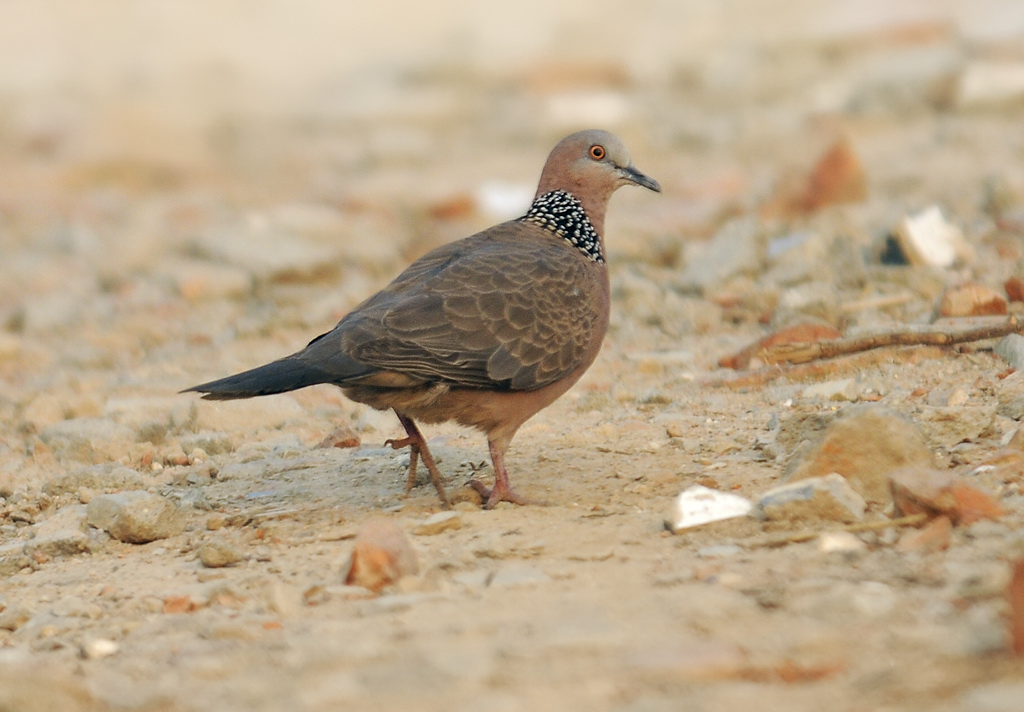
{"x":99,"y":648}
{"x":698,"y":505}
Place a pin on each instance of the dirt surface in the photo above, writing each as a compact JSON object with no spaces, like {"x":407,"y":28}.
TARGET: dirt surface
{"x":141,"y":256}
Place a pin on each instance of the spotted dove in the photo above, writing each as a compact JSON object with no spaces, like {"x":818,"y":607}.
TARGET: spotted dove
{"x":485,"y":331}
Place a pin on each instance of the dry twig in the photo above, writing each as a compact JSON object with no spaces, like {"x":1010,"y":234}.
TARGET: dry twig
{"x":821,"y":369}
{"x":908,"y":344}
{"x":903,"y":336}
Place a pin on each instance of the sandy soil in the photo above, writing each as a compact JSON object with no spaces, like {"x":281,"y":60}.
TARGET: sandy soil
{"x":141,"y":256}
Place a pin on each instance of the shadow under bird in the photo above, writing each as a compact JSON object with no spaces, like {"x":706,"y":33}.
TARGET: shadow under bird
{"x":485,"y":331}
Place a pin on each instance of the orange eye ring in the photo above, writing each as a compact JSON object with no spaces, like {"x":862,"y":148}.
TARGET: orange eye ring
{"x":597,"y":152}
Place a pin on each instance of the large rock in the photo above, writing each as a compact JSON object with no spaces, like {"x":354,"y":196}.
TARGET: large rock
{"x":864,"y":444}
{"x":135,"y":517}
{"x":814,"y":499}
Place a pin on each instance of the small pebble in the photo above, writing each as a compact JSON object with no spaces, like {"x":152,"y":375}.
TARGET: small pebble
{"x":215,"y":521}
{"x":840,"y":543}
{"x":698,"y":505}
{"x":219,"y":553}
{"x":98,"y":648}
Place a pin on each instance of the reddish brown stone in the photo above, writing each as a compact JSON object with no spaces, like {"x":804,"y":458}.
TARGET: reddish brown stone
{"x":341,"y":437}
{"x":971,"y":300}
{"x":382,"y":556}
{"x":921,"y":490}
{"x":936,"y":535}
{"x":1014,"y":287}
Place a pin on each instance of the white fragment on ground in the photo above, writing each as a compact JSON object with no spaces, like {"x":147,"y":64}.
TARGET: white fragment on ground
{"x":840,"y":543}
{"x":99,"y":648}
{"x":927,"y":238}
{"x":699,"y":505}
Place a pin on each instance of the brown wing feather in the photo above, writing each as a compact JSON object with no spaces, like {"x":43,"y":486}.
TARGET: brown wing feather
{"x":498,"y":310}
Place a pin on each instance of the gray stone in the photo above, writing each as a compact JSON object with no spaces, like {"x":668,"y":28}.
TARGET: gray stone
{"x":135,"y":517}
{"x":828,"y":498}
{"x":737,"y":248}
{"x":1011,"y":349}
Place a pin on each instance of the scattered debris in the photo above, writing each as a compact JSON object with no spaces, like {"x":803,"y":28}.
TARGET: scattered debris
{"x":782,"y":539}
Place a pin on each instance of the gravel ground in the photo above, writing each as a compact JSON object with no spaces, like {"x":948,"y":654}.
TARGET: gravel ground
{"x":140,"y":257}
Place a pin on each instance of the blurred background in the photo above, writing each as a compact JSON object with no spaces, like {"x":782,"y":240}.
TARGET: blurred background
{"x":181,"y":171}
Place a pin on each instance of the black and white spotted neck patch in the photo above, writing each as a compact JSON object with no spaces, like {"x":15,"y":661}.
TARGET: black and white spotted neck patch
{"x":563,"y":214}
